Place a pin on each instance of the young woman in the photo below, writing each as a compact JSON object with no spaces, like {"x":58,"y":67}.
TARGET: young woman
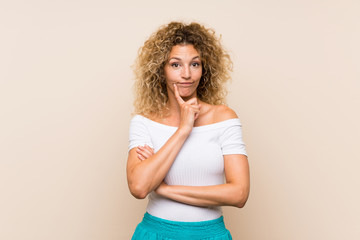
{"x":186,"y":151}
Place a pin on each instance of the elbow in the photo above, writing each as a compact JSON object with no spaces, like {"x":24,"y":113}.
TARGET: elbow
{"x":241,"y":199}
{"x":240,"y":204}
{"x":137,"y":191}
{"x":139,"y":195}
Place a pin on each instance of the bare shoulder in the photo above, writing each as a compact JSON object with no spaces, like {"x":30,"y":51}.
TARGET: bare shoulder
{"x":223,"y":113}
{"x":214,"y":113}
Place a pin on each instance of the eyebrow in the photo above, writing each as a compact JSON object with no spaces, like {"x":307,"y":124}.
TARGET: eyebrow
{"x":176,"y":58}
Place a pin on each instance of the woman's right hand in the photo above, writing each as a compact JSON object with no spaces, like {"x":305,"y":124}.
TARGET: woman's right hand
{"x":189,"y":111}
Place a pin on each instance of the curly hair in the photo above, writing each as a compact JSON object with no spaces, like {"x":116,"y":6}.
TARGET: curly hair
{"x":150,"y":85}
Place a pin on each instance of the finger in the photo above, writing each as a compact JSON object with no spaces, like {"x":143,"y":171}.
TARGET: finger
{"x":148,"y":151}
{"x":196,"y":116}
{"x":144,"y":152}
{"x":192,"y":101}
{"x":197,"y":111}
{"x":177,"y":95}
{"x":141,"y":157}
{"x":149,"y":148}
{"x":195,"y":108}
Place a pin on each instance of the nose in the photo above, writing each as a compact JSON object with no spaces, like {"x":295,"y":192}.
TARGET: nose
{"x":186,"y":72}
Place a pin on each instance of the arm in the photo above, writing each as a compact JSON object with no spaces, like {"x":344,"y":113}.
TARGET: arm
{"x":144,"y":176}
{"x":234,"y":192}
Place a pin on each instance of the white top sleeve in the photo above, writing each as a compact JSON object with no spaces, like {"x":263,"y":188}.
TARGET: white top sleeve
{"x":231,"y":141}
{"x":138,"y":133}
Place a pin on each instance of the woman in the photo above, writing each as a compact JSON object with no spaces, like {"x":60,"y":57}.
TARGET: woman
{"x":183,"y":140}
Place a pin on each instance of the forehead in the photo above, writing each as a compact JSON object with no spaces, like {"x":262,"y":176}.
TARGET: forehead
{"x":184,"y":51}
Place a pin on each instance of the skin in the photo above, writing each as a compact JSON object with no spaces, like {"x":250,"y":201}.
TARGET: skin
{"x":146,"y":169}
{"x":183,"y":69}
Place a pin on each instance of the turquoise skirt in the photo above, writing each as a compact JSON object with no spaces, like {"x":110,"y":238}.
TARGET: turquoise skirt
{"x":154,"y":228}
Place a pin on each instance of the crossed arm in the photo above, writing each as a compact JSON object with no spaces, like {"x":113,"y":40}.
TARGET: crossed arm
{"x":234,"y":192}
{"x":146,"y":170}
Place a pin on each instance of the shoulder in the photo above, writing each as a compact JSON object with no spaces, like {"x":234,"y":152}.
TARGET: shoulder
{"x":222,"y":113}
{"x":214,"y":114}
{"x":138,"y":121}
{"x":137,"y":118}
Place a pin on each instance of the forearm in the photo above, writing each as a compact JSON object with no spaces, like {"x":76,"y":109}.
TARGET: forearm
{"x":145,"y":176}
{"x":228,"y":194}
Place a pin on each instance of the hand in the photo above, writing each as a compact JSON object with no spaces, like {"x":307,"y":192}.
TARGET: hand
{"x":144,"y":152}
{"x":189,"y":110}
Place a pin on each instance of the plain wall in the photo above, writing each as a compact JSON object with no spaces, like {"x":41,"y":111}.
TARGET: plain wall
{"x":66,"y":103}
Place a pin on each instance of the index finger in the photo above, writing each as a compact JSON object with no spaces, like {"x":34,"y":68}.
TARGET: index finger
{"x":177,"y":95}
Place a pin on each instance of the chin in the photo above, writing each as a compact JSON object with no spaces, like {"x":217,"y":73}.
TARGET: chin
{"x":186,"y":94}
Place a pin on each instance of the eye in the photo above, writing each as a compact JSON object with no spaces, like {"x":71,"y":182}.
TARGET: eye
{"x":195,"y":64}
{"x":175,"y":65}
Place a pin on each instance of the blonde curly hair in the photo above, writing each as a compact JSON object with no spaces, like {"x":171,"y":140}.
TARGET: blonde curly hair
{"x":150,"y":85}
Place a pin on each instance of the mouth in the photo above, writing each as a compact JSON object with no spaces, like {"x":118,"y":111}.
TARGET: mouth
{"x":185,"y":84}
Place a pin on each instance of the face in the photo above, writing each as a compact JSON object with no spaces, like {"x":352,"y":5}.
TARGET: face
{"x":184,"y":69}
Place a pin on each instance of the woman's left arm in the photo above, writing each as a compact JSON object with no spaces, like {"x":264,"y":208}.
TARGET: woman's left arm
{"x":234,"y":192}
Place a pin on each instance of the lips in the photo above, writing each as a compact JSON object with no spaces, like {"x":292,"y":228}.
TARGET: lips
{"x":185,"y":84}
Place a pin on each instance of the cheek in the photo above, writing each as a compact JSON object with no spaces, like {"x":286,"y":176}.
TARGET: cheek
{"x":199,"y":74}
{"x":170,"y":75}
{"x":169,"y":80}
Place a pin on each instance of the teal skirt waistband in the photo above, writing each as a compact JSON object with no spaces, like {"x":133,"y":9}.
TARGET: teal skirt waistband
{"x":154,"y":228}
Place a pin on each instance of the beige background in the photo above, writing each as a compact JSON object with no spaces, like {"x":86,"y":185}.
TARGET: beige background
{"x":65,"y":105}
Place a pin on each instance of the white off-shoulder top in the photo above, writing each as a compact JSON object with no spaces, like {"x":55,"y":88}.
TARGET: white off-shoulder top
{"x":200,"y":162}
